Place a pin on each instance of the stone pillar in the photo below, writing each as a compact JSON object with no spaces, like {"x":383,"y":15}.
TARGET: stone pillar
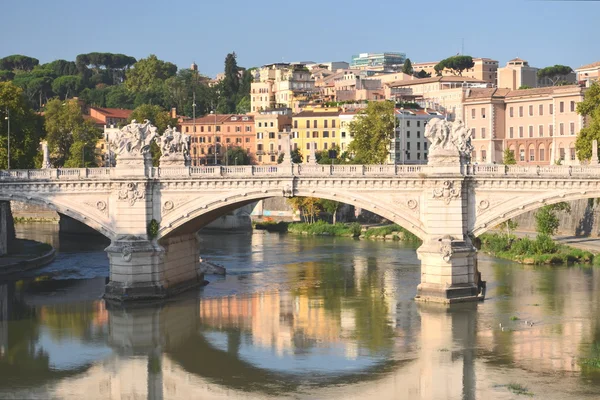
{"x":286,"y":148}
{"x":7,"y":228}
{"x":312,"y":158}
{"x":594,"y":160}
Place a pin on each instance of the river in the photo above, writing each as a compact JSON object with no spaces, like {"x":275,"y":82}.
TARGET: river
{"x":298,"y":317}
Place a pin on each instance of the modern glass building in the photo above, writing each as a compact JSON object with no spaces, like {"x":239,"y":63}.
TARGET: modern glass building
{"x":377,"y":60}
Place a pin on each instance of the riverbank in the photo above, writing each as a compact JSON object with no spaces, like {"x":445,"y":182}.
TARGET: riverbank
{"x":354,"y":229}
{"x":27,"y":255}
{"x":542,"y":250}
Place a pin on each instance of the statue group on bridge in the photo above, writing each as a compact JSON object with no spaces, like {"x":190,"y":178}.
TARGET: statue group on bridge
{"x":135,"y":139}
{"x":448,"y":138}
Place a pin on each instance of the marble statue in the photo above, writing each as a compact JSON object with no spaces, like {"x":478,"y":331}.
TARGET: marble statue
{"x":174,"y":146}
{"x":449,"y":140}
{"x":46,"y":155}
{"x":134,"y":139}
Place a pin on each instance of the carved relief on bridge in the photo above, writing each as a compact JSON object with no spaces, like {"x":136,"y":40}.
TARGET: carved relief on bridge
{"x":447,"y":192}
{"x":98,"y":206}
{"x":132,"y":192}
{"x":172,"y":203}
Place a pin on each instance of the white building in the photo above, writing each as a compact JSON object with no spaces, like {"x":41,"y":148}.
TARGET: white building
{"x":409,"y":145}
{"x":345,"y":138}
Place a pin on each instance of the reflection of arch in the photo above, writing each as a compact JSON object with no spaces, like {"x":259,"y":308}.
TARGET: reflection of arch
{"x":196,"y":214}
{"x":520,"y":205}
{"x":69,"y":209}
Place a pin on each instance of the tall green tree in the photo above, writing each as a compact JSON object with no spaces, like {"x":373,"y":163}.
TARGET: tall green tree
{"x":158,"y":116}
{"x":508,"y":157}
{"x":546,"y":221}
{"x":407,"y":68}
{"x":67,"y":86}
{"x":589,"y":108}
{"x":17,"y":62}
{"x":237,"y":156}
{"x":25,"y":128}
{"x":331,"y":207}
{"x":148,"y":73}
{"x":422,"y":74}
{"x":373,"y":130}
{"x":71,"y":138}
{"x":230,"y":85}
{"x":456,"y":64}
{"x":555,"y":73}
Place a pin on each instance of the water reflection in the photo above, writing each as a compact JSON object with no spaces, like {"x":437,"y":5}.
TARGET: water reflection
{"x":300,"y":318}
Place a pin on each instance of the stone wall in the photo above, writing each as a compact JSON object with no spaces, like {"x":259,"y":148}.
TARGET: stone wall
{"x":583,"y":220}
{"x":34,"y":211}
{"x":7,"y":228}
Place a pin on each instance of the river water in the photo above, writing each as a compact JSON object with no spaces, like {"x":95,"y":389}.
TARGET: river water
{"x":298,"y":317}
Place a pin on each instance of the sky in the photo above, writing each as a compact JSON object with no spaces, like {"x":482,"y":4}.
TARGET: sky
{"x":261,"y":32}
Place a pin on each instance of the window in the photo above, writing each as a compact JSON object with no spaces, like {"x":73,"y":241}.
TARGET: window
{"x":520,"y":131}
{"x":473,"y":134}
{"x":483,"y":156}
{"x":550,"y":130}
{"x":218,"y":129}
{"x":271,"y":124}
{"x":541,"y":130}
{"x":315,"y":123}
{"x":325,"y":134}
{"x":343,"y":135}
{"x":418,"y":134}
{"x":408,"y":146}
{"x":408,"y":134}
{"x":531,"y":111}
{"x":530,"y":130}
{"x":201,"y":129}
{"x":572,"y":106}
{"x":511,"y":112}
{"x":271,"y":135}
{"x":473,"y":113}
{"x":325,"y":146}
{"x":407,"y":123}
{"x":531,"y":155}
{"x":511,"y":132}
{"x":315,"y":134}
{"x":572,"y":151}
{"x":209,"y":128}
{"x":295,"y":124}
{"x":248,"y":128}
{"x":551,"y":109}
{"x":307,"y":123}
{"x":418,"y":146}
{"x":520,"y":111}
{"x":259,"y":124}
{"x":259,"y":135}
{"x":333,"y":123}
{"x":542,"y":155}
{"x":483,"y":133}
{"x":522,"y":155}
{"x":561,"y":153}
{"x":259,"y":147}
{"x":572,"y":128}
{"x":483,"y":113}
{"x":561,"y":107}
{"x":418,"y":123}
{"x":228,"y":140}
{"x":308,"y":135}
{"x":307,"y":147}
{"x":418,"y":156}
{"x":237,"y":129}
{"x":332,"y":133}
{"x":187,"y":129}
{"x":561,"y":129}
{"x":425,"y":146}
{"x":247,"y":140}
{"x":324,"y":124}
{"x":541,"y":110}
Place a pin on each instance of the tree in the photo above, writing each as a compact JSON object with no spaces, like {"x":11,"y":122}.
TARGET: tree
{"x":65,"y":86}
{"x":119,"y":97}
{"x":155,"y":114}
{"x":62,"y":67}
{"x":17,"y":62}
{"x":309,"y":207}
{"x":456,"y":64}
{"x":237,"y":156}
{"x":147,"y":73}
{"x":25,"y":128}
{"x":508,"y":157}
{"x":407,"y":68}
{"x":373,"y":129}
{"x":554,"y":73}
{"x":71,"y":138}
{"x":422,"y":74}
{"x":231,"y":83}
{"x":509,"y":226}
{"x":590,"y":109}
{"x":546,"y":221}
{"x":331,"y":207}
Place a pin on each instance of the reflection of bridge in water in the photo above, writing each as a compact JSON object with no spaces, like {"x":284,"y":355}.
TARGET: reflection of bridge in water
{"x":445,"y":205}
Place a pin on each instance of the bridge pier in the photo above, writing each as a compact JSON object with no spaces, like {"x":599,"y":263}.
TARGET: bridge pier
{"x":448,"y":271}
{"x":142,"y":269}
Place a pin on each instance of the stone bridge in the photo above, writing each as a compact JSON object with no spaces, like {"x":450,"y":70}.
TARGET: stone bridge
{"x":444,"y":205}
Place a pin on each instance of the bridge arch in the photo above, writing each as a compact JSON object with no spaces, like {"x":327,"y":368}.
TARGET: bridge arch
{"x":523,"y":204}
{"x":192,"y":216}
{"x":69,"y":209}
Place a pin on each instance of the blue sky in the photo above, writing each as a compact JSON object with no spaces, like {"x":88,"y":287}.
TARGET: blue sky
{"x":260,"y":32}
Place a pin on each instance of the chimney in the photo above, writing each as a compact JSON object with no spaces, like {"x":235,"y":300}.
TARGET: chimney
{"x":173,"y":112}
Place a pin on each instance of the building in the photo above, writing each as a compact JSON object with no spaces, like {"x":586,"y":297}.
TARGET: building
{"x":268,"y":126}
{"x":589,"y":73}
{"x":409,"y":145}
{"x":352,"y":85}
{"x":444,"y":94}
{"x":484,"y":69}
{"x":318,"y":125}
{"x":332,"y":66}
{"x":346,"y":117}
{"x":109,"y":116}
{"x":518,"y":73}
{"x":281,"y":85}
{"x":216,"y":133}
{"x":378,"y":61}
{"x":538,"y":125}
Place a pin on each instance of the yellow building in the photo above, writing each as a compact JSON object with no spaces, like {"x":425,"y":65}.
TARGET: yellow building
{"x":318,"y":125}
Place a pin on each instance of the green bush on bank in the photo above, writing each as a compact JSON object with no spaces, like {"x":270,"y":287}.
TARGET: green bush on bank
{"x":538,"y":251}
{"x":271,"y":226}
{"x":382,"y":231}
{"x":326,"y":229}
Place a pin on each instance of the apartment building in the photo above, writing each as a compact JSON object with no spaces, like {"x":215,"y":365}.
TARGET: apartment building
{"x":346,"y":117}
{"x":281,"y":85}
{"x":109,"y":116}
{"x":484,"y":69}
{"x":409,"y":145}
{"x":318,"y":125}
{"x":518,"y":73}
{"x":388,"y":61}
{"x":538,"y":125}
{"x":589,"y":73}
{"x":268,"y":126}
{"x":212,"y":135}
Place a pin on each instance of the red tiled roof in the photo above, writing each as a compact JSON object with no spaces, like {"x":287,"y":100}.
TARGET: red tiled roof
{"x":113,"y":112}
{"x":592,"y":65}
{"x":220,"y":119}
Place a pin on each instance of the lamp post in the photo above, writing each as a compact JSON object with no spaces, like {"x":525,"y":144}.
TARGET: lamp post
{"x":194,"y":119}
{"x":7,"y":118}
{"x":402,"y":138}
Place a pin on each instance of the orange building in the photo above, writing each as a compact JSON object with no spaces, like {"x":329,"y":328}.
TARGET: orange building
{"x":109,"y":116}
{"x":216,"y":133}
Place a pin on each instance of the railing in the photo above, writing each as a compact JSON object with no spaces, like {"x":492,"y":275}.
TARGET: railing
{"x":310,"y":170}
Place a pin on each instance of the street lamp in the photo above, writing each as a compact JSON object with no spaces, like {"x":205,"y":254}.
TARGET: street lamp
{"x":7,"y":118}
